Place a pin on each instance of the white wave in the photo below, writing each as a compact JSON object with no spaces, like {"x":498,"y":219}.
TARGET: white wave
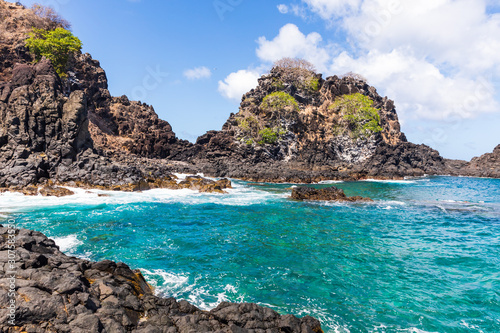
{"x":179,"y":286}
{"x":331,"y":181}
{"x":67,"y":244}
{"x":239,"y":195}
{"x":471,"y":326}
{"x":390,"y":181}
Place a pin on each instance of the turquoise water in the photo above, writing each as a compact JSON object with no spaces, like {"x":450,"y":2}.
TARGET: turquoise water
{"x":425,"y":257}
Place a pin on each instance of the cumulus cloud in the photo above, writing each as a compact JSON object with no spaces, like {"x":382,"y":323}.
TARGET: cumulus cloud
{"x":420,"y":89}
{"x":329,"y":9}
{"x":291,"y":42}
{"x":435,"y":58}
{"x":238,"y":83}
{"x":283,"y":9}
{"x":198,"y":73}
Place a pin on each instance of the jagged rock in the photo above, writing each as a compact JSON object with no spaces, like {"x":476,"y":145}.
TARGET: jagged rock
{"x":309,"y":148}
{"x":325,"y":194}
{"x":55,"y":191}
{"x":487,"y":165}
{"x":58,"y":293}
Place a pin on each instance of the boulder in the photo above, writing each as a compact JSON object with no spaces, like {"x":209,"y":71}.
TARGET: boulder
{"x":325,"y":194}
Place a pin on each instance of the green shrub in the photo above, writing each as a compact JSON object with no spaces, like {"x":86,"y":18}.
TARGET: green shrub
{"x":248,"y":123}
{"x":268,"y":136}
{"x":279,"y":101}
{"x":56,"y":45}
{"x":312,"y":84}
{"x":358,"y":112}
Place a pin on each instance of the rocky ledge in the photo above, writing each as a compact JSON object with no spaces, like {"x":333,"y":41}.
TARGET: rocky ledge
{"x":57,"y":293}
{"x":325,"y":194}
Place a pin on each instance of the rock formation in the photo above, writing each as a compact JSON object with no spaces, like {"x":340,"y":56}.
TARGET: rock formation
{"x":290,"y":128}
{"x":487,"y":165}
{"x":331,"y":193}
{"x":57,"y":293}
{"x":310,"y":140}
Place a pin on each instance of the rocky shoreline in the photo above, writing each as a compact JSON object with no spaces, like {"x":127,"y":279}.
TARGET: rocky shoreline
{"x":57,"y":293}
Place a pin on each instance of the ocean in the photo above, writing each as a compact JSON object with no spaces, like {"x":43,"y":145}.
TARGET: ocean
{"x":424,"y":257}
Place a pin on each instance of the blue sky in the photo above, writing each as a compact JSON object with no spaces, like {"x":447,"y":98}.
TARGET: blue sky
{"x":192,"y":60}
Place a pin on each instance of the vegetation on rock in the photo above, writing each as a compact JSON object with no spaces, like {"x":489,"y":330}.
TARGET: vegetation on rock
{"x":358,"y":114}
{"x":56,"y":45}
{"x":270,"y":135}
{"x":279,"y":101}
{"x":298,"y":72}
{"x":355,"y":76}
{"x":49,"y":15}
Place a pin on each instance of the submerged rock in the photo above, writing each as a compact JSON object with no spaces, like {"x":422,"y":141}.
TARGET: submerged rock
{"x":57,"y":293}
{"x":325,"y":194}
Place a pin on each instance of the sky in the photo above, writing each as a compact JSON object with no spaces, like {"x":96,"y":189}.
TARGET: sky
{"x":439,"y":60}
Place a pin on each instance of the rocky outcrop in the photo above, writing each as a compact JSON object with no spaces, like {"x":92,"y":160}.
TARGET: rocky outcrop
{"x":487,"y":165}
{"x":40,"y":127}
{"x":310,"y":141}
{"x":116,"y":125}
{"x":331,"y":193}
{"x":57,"y":293}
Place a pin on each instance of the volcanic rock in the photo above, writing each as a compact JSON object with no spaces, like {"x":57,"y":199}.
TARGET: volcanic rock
{"x":57,"y":293}
{"x":325,"y":194}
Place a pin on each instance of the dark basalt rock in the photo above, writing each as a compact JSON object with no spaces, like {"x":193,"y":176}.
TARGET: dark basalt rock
{"x":325,"y":194}
{"x":57,"y":293}
{"x":487,"y":165}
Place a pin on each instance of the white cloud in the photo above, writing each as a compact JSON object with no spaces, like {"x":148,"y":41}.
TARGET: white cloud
{"x":329,"y":9}
{"x":458,"y":33}
{"x":435,"y":58}
{"x":236,"y":84}
{"x":198,"y":73}
{"x":418,"y":87}
{"x":291,"y":42}
{"x":283,"y":9}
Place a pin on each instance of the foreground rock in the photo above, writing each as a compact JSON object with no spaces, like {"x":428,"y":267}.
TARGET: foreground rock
{"x":325,"y":194}
{"x":57,"y":293}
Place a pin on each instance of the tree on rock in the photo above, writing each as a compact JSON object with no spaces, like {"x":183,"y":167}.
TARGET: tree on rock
{"x":298,"y":72}
{"x":56,"y":45}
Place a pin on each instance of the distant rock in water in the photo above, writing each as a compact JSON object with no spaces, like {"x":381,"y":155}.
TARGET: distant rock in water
{"x":299,"y":126}
{"x":325,"y":194}
{"x":57,"y":293}
{"x":487,"y":165}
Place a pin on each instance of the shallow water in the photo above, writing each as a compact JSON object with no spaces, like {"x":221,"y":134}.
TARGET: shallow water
{"x":425,"y":257}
